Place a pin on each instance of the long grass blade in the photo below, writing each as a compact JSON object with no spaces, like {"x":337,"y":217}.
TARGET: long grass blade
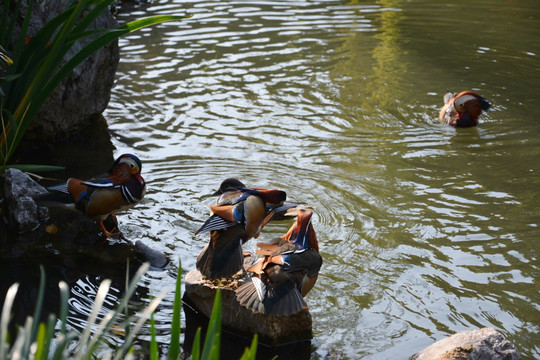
{"x":251,"y":352}
{"x":24,"y":29}
{"x":212,"y":342}
{"x":49,"y":337}
{"x":104,"y":324}
{"x":107,"y":322}
{"x":64,"y":296}
{"x":62,"y":344}
{"x":99,"y":7}
{"x":138,"y":325}
{"x":17,"y":350}
{"x":4,"y":319}
{"x":103,"y":40}
{"x":154,"y":352}
{"x":98,"y":302}
{"x":40,"y":340}
{"x":37,"y":311}
{"x":126,"y":313}
{"x":16,"y":56}
{"x":174,"y":348}
{"x":196,"y":347}
{"x":34,"y":168}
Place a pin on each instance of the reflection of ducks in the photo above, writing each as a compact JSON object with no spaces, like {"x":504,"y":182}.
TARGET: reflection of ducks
{"x":238,"y":215}
{"x":120,"y":189}
{"x":463,"y":109}
{"x":286,"y":273}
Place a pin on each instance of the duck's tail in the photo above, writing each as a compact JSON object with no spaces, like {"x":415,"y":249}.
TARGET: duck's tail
{"x":283,"y":300}
{"x":220,"y":258}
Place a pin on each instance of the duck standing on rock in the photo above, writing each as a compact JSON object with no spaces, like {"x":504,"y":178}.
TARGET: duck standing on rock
{"x":120,"y":189}
{"x":463,"y":109}
{"x":285,"y":274}
{"x":238,"y":215}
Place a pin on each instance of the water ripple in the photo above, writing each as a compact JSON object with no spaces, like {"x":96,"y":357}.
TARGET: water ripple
{"x":425,"y":230}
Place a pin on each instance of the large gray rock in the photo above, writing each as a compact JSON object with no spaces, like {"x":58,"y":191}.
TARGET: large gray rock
{"x":272,"y":330}
{"x":20,"y":190}
{"x":481,"y":344}
{"x":86,"y":92}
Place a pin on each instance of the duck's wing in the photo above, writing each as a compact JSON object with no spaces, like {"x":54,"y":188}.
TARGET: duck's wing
{"x":215,"y":222}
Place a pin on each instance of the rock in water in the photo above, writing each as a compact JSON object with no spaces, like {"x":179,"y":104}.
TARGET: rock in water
{"x":481,"y":344}
{"x":156,"y":258}
{"x":19,"y":193}
{"x":272,"y":330}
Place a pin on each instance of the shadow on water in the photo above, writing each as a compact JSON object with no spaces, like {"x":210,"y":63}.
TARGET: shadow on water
{"x":74,"y":252}
{"x":77,"y":255}
{"x":87,"y":153}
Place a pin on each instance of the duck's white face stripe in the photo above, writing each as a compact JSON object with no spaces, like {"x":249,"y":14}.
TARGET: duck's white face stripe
{"x":460,"y":102}
{"x":129,"y":161}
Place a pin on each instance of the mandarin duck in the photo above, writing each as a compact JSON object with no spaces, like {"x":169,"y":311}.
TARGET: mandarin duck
{"x":285,"y":274}
{"x":120,"y":189}
{"x":238,"y":215}
{"x":463,"y":109}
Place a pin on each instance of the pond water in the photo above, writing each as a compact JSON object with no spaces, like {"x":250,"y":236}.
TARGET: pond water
{"x":425,"y":230}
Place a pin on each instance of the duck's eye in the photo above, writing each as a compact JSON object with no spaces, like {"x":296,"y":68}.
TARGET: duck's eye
{"x":132,"y":165}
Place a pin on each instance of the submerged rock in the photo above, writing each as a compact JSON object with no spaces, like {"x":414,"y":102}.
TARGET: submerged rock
{"x":481,"y":344}
{"x":272,"y":330}
{"x":156,"y":258}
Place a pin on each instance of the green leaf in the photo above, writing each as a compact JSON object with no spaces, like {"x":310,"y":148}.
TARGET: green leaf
{"x":174,"y":348}
{"x":103,"y":40}
{"x":31,"y":92}
{"x":4,"y":319}
{"x":251,"y":352}
{"x":40,"y":341}
{"x":212,"y":342}
{"x":154,"y":353}
{"x":37,"y":311}
{"x":49,"y":336}
{"x":196,"y":347}
{"x":64,"y":296}
{"x":33,"y":168}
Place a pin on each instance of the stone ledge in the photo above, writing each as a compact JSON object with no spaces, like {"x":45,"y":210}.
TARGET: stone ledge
{"x":272,"y":330}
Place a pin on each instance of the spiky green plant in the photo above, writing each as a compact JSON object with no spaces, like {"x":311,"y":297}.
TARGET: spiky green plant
{"x":35,"y":70}
{"x":41,"y":341}
{"x":37,"y":341}
{"x":174,"y":345}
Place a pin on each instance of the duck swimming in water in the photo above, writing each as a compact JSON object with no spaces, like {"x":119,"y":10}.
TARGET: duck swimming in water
{"x":463,"y":109}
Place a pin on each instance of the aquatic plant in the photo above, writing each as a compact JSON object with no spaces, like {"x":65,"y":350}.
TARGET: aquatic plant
{"x":52,"y":340}
{"x":33,"y":70}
